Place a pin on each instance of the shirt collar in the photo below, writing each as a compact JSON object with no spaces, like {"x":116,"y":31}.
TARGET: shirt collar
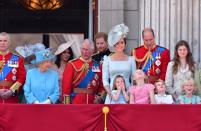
{"x":161,"y":95}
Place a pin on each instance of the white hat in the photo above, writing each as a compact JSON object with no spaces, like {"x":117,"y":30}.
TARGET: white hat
{"x":117,"y":32}
{"x":63,"y":47}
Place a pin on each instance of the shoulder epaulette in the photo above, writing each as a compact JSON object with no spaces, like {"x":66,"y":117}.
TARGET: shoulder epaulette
{"x":73,"y":64}
{"x":94,"y":54}
{"x":16,"y":54}
{"x":111,"y":53}
{"x":73,"y":60}
{"x":138,"y":47}
{"x":161,"y":46}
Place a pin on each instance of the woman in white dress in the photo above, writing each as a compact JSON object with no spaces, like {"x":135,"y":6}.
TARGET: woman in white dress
{"x":118,"y":63}
{"x":180,"y":68}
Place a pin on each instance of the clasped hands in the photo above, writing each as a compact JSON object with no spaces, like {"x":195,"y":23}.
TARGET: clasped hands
{"x":5,"y":93}
{"x":44,"y":102}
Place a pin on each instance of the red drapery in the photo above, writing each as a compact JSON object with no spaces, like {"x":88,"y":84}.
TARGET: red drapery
{"x":91,"y":118}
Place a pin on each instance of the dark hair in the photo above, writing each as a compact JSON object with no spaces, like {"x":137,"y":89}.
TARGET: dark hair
{"x":114,"y":83}
{"x":189,"y":57}
{"x":148,"y":30}
{"x":58,"y":57}
{"x":101,"y":35}
{"x":124,"y":41}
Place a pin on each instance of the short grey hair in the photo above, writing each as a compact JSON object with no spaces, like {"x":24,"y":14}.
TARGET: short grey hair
{"x":88,"y":41}
{"x":7,"y":35}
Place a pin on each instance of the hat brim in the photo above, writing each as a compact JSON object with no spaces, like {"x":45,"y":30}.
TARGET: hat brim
{"x":36,"y":62}
{"x":114,"y":41}
{"x":30,"y":58}
{"x":116,"y":33}
{"x":60,"y":50}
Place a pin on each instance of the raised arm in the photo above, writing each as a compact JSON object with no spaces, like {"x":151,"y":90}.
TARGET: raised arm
{"x":132,"y":97}
{"x":151,"y":95}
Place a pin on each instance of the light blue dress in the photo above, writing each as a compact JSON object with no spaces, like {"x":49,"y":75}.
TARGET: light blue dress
{"x":121,"y":99}
{"x":193,"y":100}
{"x":41,"y":86}
{"x":113,"y":68}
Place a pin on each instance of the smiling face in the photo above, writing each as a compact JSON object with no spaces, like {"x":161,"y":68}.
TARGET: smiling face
{"x":120,"y":46}
{"x":182,"y":51}
{"x":45,"y":65}
{"x":65,"y":55}
{"x":189,"y":87}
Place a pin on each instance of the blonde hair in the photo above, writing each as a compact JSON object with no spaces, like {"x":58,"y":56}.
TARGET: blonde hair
{"x":189,"y":80}
{"x":133,"y":77}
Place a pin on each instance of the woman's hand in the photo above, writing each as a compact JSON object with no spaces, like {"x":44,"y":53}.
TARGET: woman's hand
{"x":123,"y":88}
{"x":46,"y":102}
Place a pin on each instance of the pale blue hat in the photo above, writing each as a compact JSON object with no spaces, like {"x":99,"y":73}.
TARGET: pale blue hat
{"x":117,"y":32}
{"x":29,"y":49}
{"x":43,"y":55}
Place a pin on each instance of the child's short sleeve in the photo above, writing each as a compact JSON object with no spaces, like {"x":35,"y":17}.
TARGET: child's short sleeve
{"x":198,"y":100}
{"x":131,"y":90}
{"x":181,"y":98}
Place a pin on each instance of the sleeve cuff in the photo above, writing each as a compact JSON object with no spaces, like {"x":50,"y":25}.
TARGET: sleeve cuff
{"x":15,"y":86}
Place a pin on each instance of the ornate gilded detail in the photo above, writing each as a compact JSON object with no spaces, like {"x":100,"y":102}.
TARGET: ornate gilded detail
{"x":1,"y":65}
{"x":15,"y":86}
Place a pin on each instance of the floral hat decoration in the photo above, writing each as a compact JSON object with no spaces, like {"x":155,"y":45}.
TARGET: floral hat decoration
{"x":117,"y":32}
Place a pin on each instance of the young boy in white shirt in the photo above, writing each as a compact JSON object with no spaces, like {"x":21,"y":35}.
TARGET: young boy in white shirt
{"x":161,"y":97}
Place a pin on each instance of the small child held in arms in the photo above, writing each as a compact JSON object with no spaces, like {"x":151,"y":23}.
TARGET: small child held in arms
{"x":119,"y":94}
{"x":189,"y":89}
{"x":141,"y":93}
{"x":161,"y":97}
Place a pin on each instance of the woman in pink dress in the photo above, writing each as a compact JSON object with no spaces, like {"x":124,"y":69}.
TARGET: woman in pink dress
{"x":141,"y":93}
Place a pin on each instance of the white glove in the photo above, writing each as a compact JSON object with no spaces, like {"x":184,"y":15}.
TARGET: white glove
{"x":36,"y":102}
{"x":46,"y":102}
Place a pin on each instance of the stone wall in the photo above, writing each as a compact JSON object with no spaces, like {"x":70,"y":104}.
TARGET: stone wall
{"x":113,"y":12}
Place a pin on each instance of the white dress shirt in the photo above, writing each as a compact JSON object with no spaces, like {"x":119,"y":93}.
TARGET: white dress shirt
{"x":163,"y":99}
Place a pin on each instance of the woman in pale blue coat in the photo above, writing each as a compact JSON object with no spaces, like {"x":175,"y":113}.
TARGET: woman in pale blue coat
{"x":41,"y":86}
{"x":118,"y":63}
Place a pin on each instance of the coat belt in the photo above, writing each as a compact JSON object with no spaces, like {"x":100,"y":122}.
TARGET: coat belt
{"x":83,"y":91}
